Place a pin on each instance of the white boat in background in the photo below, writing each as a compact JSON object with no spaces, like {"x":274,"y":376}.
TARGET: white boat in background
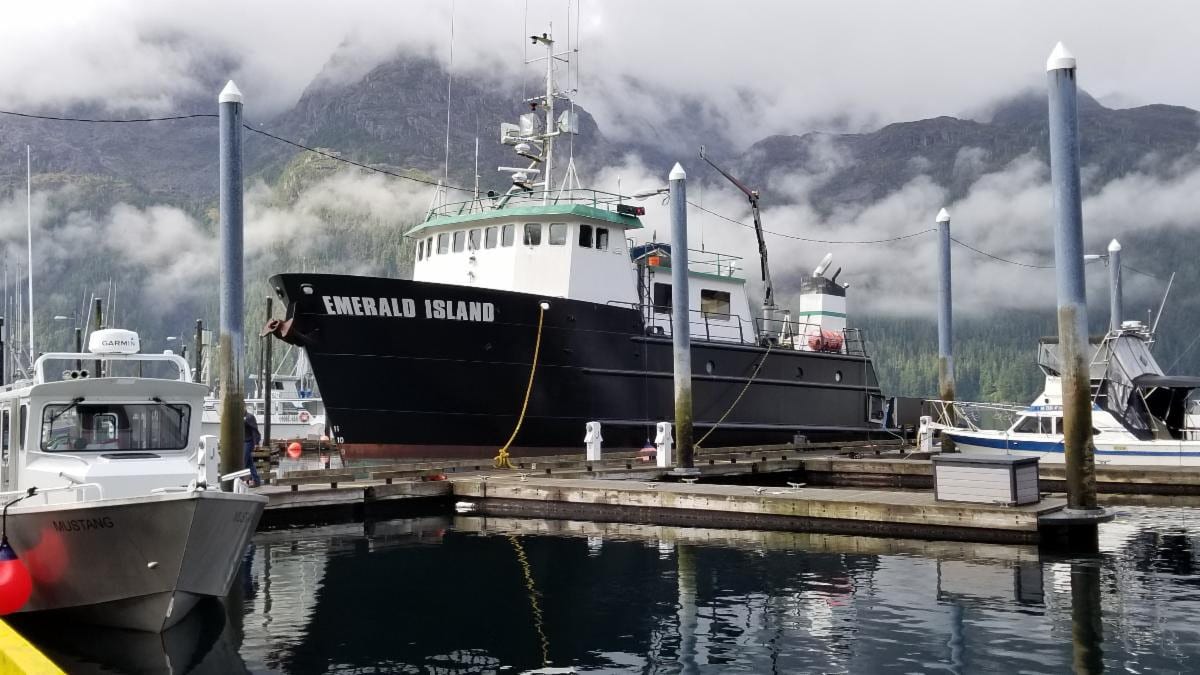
{"x":1139,"y":414}
{"x":295,"y":412}
{"x":120,"y":520}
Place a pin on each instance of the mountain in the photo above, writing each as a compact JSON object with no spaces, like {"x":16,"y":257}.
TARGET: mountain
{"x":394,"y":118}
{"x":954,"y":152}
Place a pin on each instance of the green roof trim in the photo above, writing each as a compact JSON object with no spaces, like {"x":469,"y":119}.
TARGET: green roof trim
{"x":516,"y":212}
{"x":707,"y":275}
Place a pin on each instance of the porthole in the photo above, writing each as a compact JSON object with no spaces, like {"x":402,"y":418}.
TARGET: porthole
{"x":710,"y":367}
{"x":799,"y":372}
{"x":837,"y":377}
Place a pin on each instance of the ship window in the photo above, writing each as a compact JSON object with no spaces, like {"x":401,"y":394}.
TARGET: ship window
{"x":443,"y":243}
{"x":662,"y":298}
{"x":460,"y":241}
{"x":506,"y":235}
{"x":4,"y":434}
{"x":585,"y":236}
{"x":533,"y":234}
{"x":421,"y":250}
{"x":473,"y":239}
{"x":601,"y":238}
{"x":714,"y":304}
{"x":558,"y":234}
{"x":1027,"y":425}
{"x":429,"y":247}
{"x":837,"y":377}
{"x":489,"y":237}
{"x":21,"y":426}
{"x":115,"y":426}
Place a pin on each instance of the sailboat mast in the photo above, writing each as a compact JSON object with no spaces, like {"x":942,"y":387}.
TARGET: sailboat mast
{"x":29,"y":248}
{"x":548,"y":155}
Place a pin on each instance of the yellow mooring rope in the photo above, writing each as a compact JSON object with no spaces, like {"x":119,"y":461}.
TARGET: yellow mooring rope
{"x":736,"y":400}
{"x":538,"y":619}
{"x":501,"y":460}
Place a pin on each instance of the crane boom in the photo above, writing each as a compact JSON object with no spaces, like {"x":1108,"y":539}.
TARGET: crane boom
{"x":752,"y":195}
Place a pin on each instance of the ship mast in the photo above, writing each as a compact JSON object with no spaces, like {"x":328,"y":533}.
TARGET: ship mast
{"x":551,"y":131}
{"x":538,"y":148}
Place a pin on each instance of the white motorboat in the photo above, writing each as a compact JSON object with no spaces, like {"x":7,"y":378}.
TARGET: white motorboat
{"x":296,"y":413}
{"x":118,"y":515}
{"x":1139,"y":414}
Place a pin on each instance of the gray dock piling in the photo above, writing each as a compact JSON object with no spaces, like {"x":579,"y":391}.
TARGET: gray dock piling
{"x":680,"y":333}
{"x":945,"y":321}
{"x":1115,"y":299}
{"x":198,"y":351}
{"x":267,"y":379}
{"x":1072,"y":299}
{"x":230,"y":345}
{"x":97,"y":324}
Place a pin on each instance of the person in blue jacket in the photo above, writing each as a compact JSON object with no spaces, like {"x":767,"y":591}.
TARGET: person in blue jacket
{"x":253,"y":438}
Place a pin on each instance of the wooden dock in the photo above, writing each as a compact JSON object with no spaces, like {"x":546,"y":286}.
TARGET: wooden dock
{"x":909,"y":514}
{"x":624,"y":488}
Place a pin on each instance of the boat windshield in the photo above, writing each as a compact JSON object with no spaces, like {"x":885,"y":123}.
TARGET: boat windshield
{"x":115,"y":427}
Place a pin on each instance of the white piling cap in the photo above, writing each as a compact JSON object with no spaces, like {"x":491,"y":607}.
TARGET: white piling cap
{"x":230,"y":94}
{"x":1114,"y":246}
{"x":1060,"y":58}
{"x":677,"y":173}
{"x":943,"y":216}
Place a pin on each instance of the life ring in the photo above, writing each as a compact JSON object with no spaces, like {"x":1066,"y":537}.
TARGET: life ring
{"x":304,"y":416}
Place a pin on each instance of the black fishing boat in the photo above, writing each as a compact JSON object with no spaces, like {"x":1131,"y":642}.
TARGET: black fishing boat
{"x":544,"y":282}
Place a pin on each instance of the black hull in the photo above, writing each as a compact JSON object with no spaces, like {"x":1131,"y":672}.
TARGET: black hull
{"x":430,"y":384}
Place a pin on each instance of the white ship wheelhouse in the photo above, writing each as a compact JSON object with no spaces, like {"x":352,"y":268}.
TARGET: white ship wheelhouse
{"x":569,"y":250}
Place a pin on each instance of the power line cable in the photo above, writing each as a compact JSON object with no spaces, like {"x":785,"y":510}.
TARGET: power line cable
{"x":360,"y":165}
{"x":813,"y":241}
{"x":168,"y":118}
{"x":1003,"y":260}
{"x":1135,"y":270}
{"x":52,"y":118}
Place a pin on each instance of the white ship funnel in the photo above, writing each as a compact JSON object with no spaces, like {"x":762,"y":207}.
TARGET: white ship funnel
{"x":822,"y":314}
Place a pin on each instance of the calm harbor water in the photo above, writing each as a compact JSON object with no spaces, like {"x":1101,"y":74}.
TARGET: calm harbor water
{"x":467,"y":594}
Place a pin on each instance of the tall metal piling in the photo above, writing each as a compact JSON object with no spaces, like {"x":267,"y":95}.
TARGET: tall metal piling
{"x":1115,"y":299}
{"x":680,"y":332}
{"x":1068,"y":263}
{"x":267,"y":379}
{"x":198,"y":351}
{"x":97,"y":324}
{"x":230,"y":345}
{"x":945,"y":321}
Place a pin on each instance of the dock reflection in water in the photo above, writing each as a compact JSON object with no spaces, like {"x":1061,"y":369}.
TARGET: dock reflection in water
{"x":471,"y":594}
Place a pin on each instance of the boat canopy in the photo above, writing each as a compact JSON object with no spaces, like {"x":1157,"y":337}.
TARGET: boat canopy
{"x":1171,"y":381}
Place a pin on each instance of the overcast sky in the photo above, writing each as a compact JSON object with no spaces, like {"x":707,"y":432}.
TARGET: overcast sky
{"x":770,"y":66}
{"x":762,"y":67}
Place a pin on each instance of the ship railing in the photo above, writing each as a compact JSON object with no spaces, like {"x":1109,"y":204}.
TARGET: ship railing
{"x":599,"y":199}
{"x":734,"y":328}
{"x":80,"y":491}
{"x":976,"y":416}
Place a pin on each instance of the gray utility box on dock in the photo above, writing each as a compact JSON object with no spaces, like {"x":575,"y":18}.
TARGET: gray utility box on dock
{"x":986,"y":480}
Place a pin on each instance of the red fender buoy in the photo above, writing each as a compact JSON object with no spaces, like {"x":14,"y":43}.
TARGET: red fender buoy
{"x":15,"y":583}
{"x":294,"y":450}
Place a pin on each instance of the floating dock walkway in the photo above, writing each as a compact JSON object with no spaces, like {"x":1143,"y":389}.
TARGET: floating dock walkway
{"x":622,"y":488}
{"x":908,"y":514}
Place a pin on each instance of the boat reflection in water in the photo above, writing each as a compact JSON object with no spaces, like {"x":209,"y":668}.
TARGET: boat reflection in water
{"x":469,"y":594}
